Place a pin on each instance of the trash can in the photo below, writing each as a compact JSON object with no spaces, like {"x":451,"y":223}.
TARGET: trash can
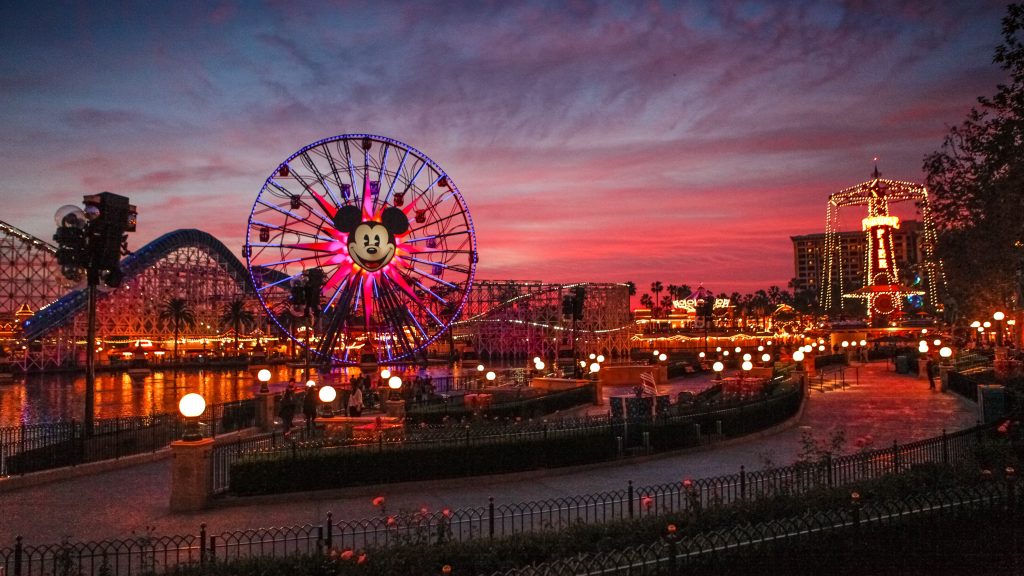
{"x":902,"y":364}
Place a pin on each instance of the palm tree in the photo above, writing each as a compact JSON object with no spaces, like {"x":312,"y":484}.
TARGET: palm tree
{"x":656,"y":289}
{"x":646,"y":301}
{"x":632,"y":288}
{"x":237,"y":316}
{"x":673,"y":290}
{"x":179,"y":313}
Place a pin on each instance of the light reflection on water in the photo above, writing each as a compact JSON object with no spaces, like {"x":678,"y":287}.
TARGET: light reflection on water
{"x":39,"y":398}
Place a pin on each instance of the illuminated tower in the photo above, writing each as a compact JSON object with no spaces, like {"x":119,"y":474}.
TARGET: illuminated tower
{"x":883,"y":290}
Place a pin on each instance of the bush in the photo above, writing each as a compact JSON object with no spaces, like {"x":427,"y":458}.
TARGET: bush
{"x":324,"y":468}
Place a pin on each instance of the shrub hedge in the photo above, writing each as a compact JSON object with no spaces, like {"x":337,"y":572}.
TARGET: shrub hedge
{"x":325,"y":468}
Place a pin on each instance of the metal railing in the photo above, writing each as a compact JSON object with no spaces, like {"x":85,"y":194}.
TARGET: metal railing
{"x":37,"y":447}
{"x":998,"y":501}
{"x":154,"y":553}
{"x":729,"y":419}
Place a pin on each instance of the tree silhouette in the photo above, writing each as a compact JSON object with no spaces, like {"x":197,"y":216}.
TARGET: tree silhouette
{"x":976,"y":182}
{"x":656,"y":289}
{"x":237,"y":316}
{"x":178,"y":312}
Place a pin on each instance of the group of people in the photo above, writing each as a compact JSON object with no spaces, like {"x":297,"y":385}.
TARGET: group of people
{"x":290,"y":403}
{"x":364,"y":393}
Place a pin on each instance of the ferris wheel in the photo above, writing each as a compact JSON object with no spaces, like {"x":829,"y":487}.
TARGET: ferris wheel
{"x":379,"y":238}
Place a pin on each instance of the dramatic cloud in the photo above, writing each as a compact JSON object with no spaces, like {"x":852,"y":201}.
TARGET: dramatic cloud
{"x":674,"y":141}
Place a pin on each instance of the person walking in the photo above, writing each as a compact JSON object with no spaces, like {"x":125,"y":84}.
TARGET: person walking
{"x":309,"y":407}
{"x":355,"y":401}
{"x":930,"y":366}
{"x":287,"y":409}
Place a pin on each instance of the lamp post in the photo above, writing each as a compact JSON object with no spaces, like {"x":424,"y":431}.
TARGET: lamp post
{"x":798,"y":357}
{"x":327,"y":395}
{"x":191,"y":407}
{"x":395,"y":406}
{"x":191,"y":473}
{"x":945,"y":353}
{"x":264,"y":377}
{"x":718,"y":367}
{"x":998,"y":317}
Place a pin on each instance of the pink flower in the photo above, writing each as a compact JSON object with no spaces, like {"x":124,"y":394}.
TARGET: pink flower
{"x":447,"y":513}
{"x":423,"y":510}
{"x":391,"y":520}
{"x":378,"y":501}
{"x":646,"y":501}
{"x":347,"y":554}
{"x":361,"y":559}
{"x":687,"y":483}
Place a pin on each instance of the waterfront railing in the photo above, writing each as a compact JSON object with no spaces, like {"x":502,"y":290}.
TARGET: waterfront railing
{"x":37,"y":447}
{"x":154,"y":553}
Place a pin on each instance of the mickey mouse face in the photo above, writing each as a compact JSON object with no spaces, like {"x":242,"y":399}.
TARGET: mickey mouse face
{"x":371,"y":244}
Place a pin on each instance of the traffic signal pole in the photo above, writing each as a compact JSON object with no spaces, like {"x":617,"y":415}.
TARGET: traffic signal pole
{"x":93,"y":240}
{"x":93,"y":279}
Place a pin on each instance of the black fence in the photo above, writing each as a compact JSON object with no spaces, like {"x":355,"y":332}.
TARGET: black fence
{"x":868,"y":534}
{"x":965,"y":385}
{"x":36,"y":447}
{"x":663,"y":432}
{"x":150,"y":553}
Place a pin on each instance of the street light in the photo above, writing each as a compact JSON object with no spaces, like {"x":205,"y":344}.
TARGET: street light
{"x":600,"y":357}
{"x":385,"y":374}
{"x":662,"y":357}
{"x":718,"y":367}
{"x":998,"y":317}
{"x":327,"y":395}
{"x":264,"y":377}
{"x":491,"y":376}
{"x":946,"y":353}
{"x":395,"y":382}
{"x":191,"y":406}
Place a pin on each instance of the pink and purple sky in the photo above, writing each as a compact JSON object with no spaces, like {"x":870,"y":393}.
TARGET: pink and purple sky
{"x":601,"y":141}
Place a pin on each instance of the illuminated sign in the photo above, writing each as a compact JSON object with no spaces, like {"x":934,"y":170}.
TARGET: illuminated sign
{"x":690,"y":304}
{"x":873,"y":221}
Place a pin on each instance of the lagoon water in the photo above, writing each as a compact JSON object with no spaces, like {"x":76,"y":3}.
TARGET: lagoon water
{"x":40,"y":398}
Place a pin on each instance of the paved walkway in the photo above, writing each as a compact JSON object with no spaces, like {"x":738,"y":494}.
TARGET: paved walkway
{"x":882,"y":407}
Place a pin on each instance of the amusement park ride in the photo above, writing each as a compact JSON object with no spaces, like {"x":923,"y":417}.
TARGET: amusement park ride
{"x":882,"y":291}
{"x":359,"y":247}
{"x":387,"y":229}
